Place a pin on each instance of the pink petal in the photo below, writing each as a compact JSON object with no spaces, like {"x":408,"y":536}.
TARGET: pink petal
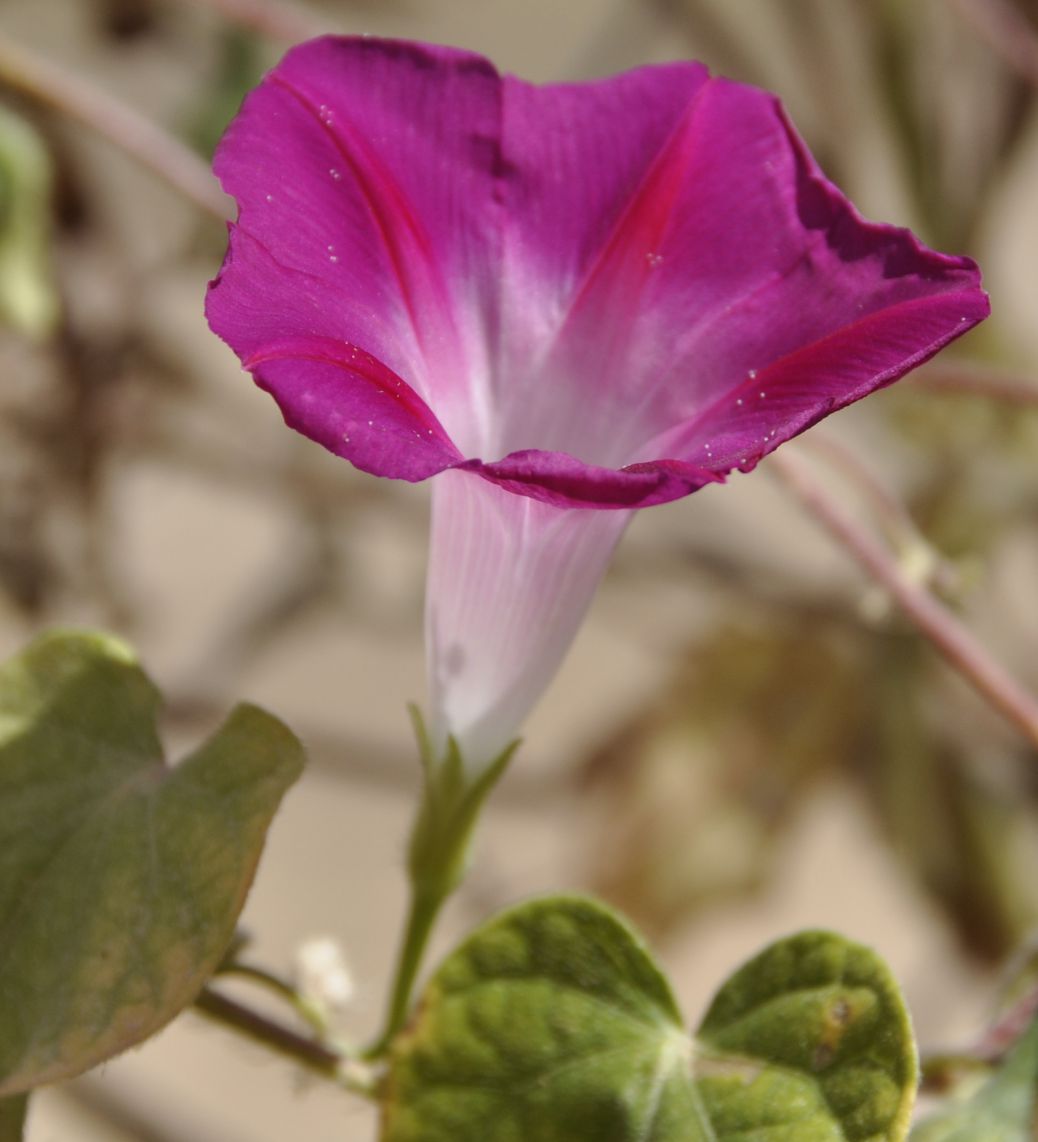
{"x":735,"y":254}
{"x":555,"y":478}
{"x":583,"y":296}
{"x":329,"y":389}
{"x":361,"y":170}
{"x":579,"y":283}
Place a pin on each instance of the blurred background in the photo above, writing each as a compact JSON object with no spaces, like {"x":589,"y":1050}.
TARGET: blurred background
{"x":747,"y":738}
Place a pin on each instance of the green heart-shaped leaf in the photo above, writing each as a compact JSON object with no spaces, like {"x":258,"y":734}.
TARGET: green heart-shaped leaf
{"x":120,"y":878}
{"x":809,"y":1042}
{"x":1004,"y":1109}
{"x":553,"y":1023}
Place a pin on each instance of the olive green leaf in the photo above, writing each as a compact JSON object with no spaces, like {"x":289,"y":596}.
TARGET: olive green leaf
{"x":553,"y":1022}
{"x":13,"y":1112}
{"x":810,"y":1041}
{"x":121,"y":878}
{"x":28,"y":300}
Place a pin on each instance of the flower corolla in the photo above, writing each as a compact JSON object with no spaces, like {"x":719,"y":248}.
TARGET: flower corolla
{"x":556,"y":299}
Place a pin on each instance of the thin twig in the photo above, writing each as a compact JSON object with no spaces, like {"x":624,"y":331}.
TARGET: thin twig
{"x":272,"y":18}
{"x":31,"y":75}
{"x":891,"y":514}
{"x":958,"y":646}
{"x":282,"y":989}
{"x":317,"y":1057}
{"x":1007,"y":31}
{"x":971,"y":380}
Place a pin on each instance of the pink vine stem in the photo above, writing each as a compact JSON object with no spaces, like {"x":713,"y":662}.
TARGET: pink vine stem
{"x":954,"y":641}
{"x":74,"y":96}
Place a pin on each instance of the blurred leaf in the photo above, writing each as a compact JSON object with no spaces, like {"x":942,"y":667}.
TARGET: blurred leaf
{"x":1002,"y":1110}
{"x":1020,"y":983}
{"x":239,"y":68}
{"x":553,"y":1023}
{"x":13,"y":1113}
{"x":961,"y":836}
{"x":693,"y":792}
{"x":28,"y":300}
{"x":120,"y":878}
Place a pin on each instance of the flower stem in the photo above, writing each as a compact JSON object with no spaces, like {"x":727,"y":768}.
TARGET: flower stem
{"x":62,"y":90}
{"x":422,"y":913}
{"x":958,"y":646}
{"x":437,"y":857}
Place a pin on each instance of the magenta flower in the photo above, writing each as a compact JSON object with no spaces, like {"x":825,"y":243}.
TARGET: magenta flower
{"x":593,"y":296}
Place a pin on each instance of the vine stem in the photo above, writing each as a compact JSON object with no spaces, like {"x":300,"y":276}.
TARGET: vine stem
{"x":1007,"y":31}
{"x":965,"y":380}
{"x":422,"y":913}
{"x":890,"y":513}
{"x":60,"y":89}
{"x":283,"y":989}
{"x":316,"y":1057}
{"x":958,"y":646}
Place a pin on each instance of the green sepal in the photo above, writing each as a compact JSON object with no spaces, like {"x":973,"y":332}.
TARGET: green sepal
{"x":120,"y":878}
{"x":452,"y":798}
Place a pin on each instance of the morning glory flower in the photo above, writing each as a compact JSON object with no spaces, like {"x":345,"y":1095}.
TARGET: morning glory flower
{"x":565,"y":302}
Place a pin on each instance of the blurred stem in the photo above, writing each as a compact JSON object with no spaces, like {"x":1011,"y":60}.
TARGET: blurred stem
{"x":891,"y":514}
{"x":282,"y":988}
{"x":271,"y":18}
{"x":74,"y":96}
{"x":958,"y":646}
{"x":1008,"y":31}
{"x":1009,"y":1028}
{"x":942,"y":1070}
{"x":314,"y":1056}
{"x":974,"y":381}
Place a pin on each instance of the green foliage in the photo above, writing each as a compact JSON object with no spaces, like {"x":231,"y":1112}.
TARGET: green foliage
{"x":120,"y":878}
{"x":239,"y":67}
{"x":810,"y":1040}
{"x":28,"y":300}
{"x":13,"y":1112}
{"x":1002,"y":1110}
{"x":693,"y":793}
{"x":553,"y":1022}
